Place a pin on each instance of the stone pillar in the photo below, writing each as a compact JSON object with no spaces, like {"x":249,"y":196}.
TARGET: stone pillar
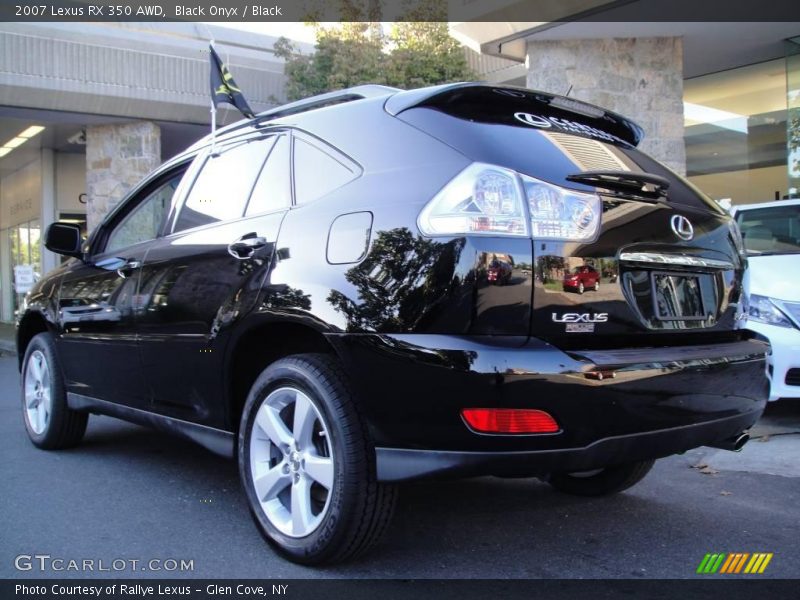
{"x":640,"y":78}
{"x":117,"y":158}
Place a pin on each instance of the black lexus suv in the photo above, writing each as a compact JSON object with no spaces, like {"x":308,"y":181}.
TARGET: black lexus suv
{"x":366,"y":287}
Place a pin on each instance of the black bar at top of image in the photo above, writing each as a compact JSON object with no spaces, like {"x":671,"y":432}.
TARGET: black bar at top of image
{"x":533,"y":11}
{"x":420,"y":589}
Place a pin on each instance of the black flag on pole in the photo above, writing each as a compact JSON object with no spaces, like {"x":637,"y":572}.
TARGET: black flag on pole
{"x":223,"y":86}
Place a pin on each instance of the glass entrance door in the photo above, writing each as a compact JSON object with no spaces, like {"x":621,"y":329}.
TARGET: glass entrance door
{"x":25,"y":241}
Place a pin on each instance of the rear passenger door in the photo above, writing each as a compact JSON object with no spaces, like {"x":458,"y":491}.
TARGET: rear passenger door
{"x":205,"y":274}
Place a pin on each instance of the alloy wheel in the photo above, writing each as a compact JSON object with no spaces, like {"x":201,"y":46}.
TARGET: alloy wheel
{"x":38,"y":406}
{"x":291,"y":462}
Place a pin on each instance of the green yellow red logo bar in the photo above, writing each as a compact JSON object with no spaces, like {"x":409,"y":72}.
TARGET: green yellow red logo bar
{"x":732,"y":563}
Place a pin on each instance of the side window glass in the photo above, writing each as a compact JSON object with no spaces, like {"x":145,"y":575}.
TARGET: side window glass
{"x":223,"y":186}
{"x":316,"y":173}
{"x":273,"y":186}
{"x":144,"y":221}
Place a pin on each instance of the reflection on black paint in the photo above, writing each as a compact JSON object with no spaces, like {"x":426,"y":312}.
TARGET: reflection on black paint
{"x":101,"y":299}
{"x":286,"y":297}
{"x":499,"y":269}
{"x":402,"y":282}
{"x":460,"y":360}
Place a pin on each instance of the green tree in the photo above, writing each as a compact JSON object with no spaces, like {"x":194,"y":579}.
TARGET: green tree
{"x":423,"y":53}
{"x":794,"y":136}
{"x":412,"y":54}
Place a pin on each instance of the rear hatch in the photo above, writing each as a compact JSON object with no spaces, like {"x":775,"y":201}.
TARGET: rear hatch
{"x":663,"y":265}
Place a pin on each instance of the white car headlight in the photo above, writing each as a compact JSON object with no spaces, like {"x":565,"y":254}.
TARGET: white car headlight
{"x":764,"y":310}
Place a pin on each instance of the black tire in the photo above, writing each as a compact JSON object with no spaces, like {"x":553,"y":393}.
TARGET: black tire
{"x":64,"y":427}
{"x":359,"y":508}
{"x":609,"y":480}
{"x":580,"y":288}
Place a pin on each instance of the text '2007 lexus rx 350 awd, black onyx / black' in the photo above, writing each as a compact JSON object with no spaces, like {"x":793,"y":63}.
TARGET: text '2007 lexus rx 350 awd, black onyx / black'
{"x":367,"y":287}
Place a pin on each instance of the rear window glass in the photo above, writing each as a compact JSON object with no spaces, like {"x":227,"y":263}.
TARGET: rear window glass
{"x":316,"y":173}
{"x":222,"y":188}
{"x":273,"y":189}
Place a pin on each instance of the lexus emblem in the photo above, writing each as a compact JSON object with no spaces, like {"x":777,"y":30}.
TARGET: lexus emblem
{"x":682,"y":227}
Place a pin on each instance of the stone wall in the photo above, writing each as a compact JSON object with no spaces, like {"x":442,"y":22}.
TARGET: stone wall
{"x":640,"y":78}
{"x":117,"y":158}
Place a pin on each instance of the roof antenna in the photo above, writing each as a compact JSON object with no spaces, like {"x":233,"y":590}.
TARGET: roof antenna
{"x":568,"y":91}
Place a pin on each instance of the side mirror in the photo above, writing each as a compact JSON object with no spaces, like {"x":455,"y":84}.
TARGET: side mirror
{"x":64,"y":238}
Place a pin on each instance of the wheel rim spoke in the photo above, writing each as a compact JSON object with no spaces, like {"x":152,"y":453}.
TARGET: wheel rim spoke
{"x":270,"y":422}
{"x":40,"y":417}
{"x":301,"y":506}
{"x":271,"y":483}
{"x":297,"y":456}
{"x":37,"y":392}
{"x":320,"y":469}
{"x":36,"y":368}
{"x":304,"y":418}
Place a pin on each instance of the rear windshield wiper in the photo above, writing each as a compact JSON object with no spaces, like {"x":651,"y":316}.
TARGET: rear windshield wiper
{"x":625,"y":184}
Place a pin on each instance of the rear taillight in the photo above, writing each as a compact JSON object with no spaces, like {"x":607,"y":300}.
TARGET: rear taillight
{"x":561,"y":214}
{"x":509,"y":420}
{"x":489,"y":200}
{"x":482,"y":199}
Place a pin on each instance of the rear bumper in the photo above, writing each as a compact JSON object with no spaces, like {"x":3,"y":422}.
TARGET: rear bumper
{"x":395,"y":464}
{"x":651,"y":402}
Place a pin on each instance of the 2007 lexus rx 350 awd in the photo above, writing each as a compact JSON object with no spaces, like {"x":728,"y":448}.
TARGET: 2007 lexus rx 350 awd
{"x":312,"y":295}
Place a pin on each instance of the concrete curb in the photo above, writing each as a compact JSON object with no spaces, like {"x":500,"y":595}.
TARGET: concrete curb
{"x":8,"y":347}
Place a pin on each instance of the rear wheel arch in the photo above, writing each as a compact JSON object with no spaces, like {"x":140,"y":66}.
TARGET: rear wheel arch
{"x":259,"y":346}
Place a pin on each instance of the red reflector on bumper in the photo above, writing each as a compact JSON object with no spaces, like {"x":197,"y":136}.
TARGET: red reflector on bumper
{"x":509,"y":420}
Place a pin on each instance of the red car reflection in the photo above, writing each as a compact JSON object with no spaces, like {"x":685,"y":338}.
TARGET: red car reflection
{"x":582,"y":278}
{"x":499,"y":272}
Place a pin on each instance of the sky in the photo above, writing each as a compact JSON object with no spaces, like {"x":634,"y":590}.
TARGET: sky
{"x":294,"y":31}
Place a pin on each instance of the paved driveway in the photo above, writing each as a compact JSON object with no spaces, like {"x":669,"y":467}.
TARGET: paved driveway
{"x":133,"y":494}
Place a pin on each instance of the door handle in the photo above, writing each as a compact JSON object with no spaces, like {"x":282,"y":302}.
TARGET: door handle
{"x":245,"y":247}
{"x":128,"y":268}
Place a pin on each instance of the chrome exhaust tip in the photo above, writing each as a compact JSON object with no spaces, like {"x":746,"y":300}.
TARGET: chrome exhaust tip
{"x":734,"y":444}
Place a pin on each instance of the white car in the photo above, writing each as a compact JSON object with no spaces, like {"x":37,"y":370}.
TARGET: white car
{"x":771,"y":232}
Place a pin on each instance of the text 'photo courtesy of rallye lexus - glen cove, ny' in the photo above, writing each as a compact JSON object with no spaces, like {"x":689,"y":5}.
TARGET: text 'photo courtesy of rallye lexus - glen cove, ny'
{"x":375,"y":286}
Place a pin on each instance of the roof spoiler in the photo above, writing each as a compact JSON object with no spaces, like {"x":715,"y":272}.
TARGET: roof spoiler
{"x":542,"y":102}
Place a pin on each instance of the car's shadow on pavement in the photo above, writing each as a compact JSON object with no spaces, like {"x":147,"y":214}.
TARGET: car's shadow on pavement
{"x":117,"y":440}
{"x":436,"y":525}
{"x":164,"y":494}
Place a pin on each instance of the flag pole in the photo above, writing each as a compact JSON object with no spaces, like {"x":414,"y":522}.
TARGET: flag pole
{"x":213,"y":119}
{"x":213,"y":127}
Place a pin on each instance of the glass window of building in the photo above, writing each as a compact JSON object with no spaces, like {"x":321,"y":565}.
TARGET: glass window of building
{"x":793,"y":102}
{"x":735,"y":133}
